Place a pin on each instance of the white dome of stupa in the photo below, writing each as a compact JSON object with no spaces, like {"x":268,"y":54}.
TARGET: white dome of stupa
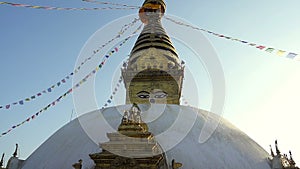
{"x":176,"y":128}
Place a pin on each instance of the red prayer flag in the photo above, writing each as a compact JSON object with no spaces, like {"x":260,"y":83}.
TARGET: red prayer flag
{"x":261,"y":47}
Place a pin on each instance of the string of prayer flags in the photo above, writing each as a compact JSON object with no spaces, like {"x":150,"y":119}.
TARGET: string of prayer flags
{"x":39,"y":94}
{"x":50,"y":105}
{"x":53,"y":103}
{"x":121,"y":32}
{"x":123,"y":29}
{"x":37,"y":113}
{"x":111,"y":3}
{"x":65,"y":9}
{"x":111,"y":97}
{"x":278,"y":52}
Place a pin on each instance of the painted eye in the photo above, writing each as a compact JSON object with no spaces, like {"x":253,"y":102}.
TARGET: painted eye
{"x":160,"y":95}
{"x":143,"y":95}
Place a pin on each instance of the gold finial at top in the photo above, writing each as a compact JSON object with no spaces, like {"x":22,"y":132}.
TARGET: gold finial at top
{"x":151,"y":6}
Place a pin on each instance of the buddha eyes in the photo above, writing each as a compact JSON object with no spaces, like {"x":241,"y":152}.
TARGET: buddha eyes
{"x":143,"y":95}
{"x":157,"y":95}
{"x":160,"y":95}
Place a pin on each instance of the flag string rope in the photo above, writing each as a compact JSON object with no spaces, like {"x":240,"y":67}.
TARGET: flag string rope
{"x":111,"y":3}
{"x":53,"y":103}
{"x":111,"y":97}
{"x":64,"y":80}
{"x":278,"y":52}
{"x":64,"y":8}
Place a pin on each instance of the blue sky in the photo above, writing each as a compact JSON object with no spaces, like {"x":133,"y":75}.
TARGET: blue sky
{"x":39,"y":47}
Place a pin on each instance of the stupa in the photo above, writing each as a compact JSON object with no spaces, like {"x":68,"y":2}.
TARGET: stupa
{"x":152,"y":130}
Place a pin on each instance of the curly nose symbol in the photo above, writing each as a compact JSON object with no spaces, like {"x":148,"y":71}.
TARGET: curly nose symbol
{"x":152,"y":100}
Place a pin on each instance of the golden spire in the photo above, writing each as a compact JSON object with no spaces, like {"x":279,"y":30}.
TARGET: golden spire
{"x":153,"y":34}
{"x":153,"y":72}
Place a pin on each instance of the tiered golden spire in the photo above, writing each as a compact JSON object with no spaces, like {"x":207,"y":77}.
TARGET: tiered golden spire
{"x":153,"y":34}
{"x":153,"y":72}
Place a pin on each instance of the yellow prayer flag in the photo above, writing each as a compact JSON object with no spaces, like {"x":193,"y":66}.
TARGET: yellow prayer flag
{"x":280,"y":52}
{"x":36,"y":7}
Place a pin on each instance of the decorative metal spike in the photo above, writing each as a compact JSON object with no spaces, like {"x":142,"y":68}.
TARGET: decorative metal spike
{"x":2,"y":160}
{"x":16,"y":151}
{"x":293,"y":163}
{"x":277,"y":149}
{"x":272,"y":153}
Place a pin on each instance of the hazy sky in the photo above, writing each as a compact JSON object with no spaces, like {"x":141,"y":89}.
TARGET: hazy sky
{"x":39,"y":47}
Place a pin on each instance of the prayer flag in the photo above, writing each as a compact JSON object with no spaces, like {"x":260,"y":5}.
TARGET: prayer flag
{"x":291,"y":55}
{"x":280,"y":52}
{"x":14,"y":4}
{"x":70,"y":90}
{"x":261,"y":47}
{"x":36,"y":7}
{"x":21,"y":102}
